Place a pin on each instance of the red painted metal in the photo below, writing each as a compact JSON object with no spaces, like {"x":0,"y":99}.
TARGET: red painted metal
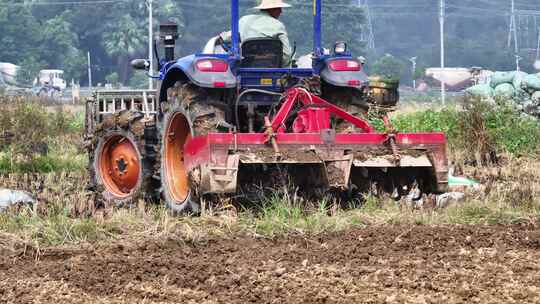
{"x":354,"y":82}
{"x":311,"y":121}
{"x":212,"y":65}
{"x":343,"y":65}
{"x":200,"y":149}
{"x":300,"y":95}
{"x":311,"y":130}
{"x":278,"y":123}
{"x":307,"y":129}
{"x":316,"y":139}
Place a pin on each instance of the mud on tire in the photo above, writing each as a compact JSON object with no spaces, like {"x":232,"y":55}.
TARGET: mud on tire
{"x":189,"y":111}
{"x":351,"y":100}
{"x":121,"y":159}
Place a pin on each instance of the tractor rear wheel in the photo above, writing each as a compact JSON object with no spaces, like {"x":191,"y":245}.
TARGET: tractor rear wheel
{"x":188,"y":112}
{"x":121,"y":167}
{"x":351,"y":100}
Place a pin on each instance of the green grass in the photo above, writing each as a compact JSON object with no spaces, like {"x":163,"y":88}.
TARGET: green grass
{"x":57,"y":224}
{"x":44,"y":140}
{"x":507,"y":130}
{"x":477,"y":212}
{"x":56,"y":228}
{"x":43,"y":164}
{"x":281,"y":215}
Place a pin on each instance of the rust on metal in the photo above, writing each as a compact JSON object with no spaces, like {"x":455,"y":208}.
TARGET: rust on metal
{"x":391,"y":133}
{"x":271,"y":136}
{"x":177,"y":132}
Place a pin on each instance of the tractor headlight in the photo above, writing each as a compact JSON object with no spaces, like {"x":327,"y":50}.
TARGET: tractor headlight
{"x":340,"y":47}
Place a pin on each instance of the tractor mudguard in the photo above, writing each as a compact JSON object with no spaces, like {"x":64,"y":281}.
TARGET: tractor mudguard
{"x":202,"y":79}
{"x":356,"y":79}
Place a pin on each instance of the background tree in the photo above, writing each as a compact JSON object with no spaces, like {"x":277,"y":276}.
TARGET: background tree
{"x":113,"y":79}
{"x":389,"y":67}
{"x":19,"y":32}
{"x":139,"y":80}
{"x":59,"y":36}
{"x":28,"y":70}
{"x":122,"y":41}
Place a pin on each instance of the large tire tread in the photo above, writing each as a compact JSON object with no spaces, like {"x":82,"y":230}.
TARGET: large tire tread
{"x":130,"y":124}
{"x":204,"y":116}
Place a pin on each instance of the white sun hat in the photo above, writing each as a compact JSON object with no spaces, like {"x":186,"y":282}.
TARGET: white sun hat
{"x":269,"y":4}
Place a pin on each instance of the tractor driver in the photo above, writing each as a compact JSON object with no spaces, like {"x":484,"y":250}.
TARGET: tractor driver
{"x":267,"y":24}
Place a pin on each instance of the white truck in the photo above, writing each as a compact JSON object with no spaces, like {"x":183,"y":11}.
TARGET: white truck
{"x":51,"y":78}
{"x":48,"y":83}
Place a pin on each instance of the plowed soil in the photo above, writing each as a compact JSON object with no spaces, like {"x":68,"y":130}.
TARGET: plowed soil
{"x":391,"y":264}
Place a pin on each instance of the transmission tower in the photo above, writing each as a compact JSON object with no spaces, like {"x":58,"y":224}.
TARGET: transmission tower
{"x":528,"y":30}
{"x":367,"y":36}
{"x":512,"y":32}
{"x":523,"y":28}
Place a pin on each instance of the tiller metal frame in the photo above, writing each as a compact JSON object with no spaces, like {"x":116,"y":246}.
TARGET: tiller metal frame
{"x":214,"y":160}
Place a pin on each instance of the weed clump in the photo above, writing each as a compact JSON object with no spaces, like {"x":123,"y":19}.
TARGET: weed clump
{"x":477,"y":128}
{"x":35,"y":138}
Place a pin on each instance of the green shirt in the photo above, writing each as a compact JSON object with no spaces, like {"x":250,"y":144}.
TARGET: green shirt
{"x":263,"y":25}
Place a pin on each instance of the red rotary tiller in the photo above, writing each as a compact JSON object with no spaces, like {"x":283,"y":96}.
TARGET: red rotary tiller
{"x":313,"y":155}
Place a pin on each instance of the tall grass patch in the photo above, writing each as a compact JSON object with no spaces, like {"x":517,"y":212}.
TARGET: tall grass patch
{"x":283,"y":213}
{"x":475,"y":127}
{"x":36,"y":138}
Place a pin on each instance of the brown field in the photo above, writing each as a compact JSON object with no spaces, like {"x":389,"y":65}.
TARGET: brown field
{"x":484,"y":249}
{"x":388,"y":264}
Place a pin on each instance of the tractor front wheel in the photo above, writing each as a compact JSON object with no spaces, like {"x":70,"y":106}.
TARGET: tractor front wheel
{"x":121,"y":165}
{"x":117,"y":166}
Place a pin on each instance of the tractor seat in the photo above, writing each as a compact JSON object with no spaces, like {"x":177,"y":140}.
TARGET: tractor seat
{"x":262,"y":53}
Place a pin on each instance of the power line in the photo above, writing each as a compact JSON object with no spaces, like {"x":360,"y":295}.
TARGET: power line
{"x":522,"y":40}
{"x":528,"y":12}
{"x":477,"y":9}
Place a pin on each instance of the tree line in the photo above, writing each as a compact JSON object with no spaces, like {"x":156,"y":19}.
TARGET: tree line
{"x":49,"y":35}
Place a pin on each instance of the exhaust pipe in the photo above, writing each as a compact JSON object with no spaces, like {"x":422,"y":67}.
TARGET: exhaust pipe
{"x":168,"y":32}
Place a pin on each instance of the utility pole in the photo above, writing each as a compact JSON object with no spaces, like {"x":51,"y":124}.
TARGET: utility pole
{"x":537,"y":60}
{"x":150,"y":42}
{"x":89,"y":71}
{"x":413,"y":61}
{"x":512,"y":34}
{"x":441,"y":21}
{"x":538,"y":46}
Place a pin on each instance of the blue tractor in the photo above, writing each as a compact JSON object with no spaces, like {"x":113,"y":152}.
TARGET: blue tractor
{"x":231,"y":120}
